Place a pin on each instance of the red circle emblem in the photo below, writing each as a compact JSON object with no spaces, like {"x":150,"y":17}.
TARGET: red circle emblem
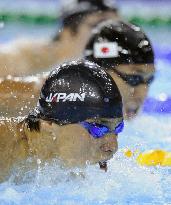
{"x":105,"y":50}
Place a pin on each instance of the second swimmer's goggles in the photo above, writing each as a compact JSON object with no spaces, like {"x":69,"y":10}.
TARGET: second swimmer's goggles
{"x":135,"y":80}
{"x":99,"y":130}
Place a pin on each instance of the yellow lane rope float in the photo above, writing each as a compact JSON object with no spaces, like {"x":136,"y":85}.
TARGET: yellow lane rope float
{"x":151,"y":158}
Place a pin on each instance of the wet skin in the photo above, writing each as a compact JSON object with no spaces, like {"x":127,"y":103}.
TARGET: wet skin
{"x":72,"y":144}
{"x":133,"y":96}
{"x":19,"y":95}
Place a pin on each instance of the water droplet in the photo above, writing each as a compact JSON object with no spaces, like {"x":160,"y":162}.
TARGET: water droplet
{"x":39,"y":161}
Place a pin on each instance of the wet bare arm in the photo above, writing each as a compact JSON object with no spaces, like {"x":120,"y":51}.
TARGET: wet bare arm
{"x":27,"y":57}
{"x":13,"y":146}
{"x":19,"y":95}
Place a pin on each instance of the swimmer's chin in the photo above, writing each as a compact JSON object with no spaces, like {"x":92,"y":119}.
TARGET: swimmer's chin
{"x":83,"y":164}
{"x":106,"y":157}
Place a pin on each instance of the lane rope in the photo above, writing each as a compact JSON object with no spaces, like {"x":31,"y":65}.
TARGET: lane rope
{"x":152,"y":105}
{"x":49,"y":19}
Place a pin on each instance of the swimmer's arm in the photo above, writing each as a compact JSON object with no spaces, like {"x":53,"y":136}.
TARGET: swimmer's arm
{"x":26,"y":57}
{"x":19,"y":94}
{"x":5,"y":152}
{"x":12,"y":147}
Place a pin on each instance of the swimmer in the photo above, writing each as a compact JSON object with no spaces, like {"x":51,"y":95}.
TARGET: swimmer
{"x":27,"y":57}
{"x":126,"y":53}
{"x":77,"y":120}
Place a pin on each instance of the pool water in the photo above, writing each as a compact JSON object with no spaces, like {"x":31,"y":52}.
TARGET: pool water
{"x":125,"y":182}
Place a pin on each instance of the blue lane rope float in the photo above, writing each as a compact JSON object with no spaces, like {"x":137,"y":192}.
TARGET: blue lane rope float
{"x":163,"y":53}
{"x":152,"y":105}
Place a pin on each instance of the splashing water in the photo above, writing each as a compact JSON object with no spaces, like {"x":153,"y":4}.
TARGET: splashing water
{"x":124,"y":182}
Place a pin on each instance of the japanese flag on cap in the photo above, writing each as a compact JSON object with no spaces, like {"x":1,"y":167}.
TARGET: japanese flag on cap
{"x":106,"y":50}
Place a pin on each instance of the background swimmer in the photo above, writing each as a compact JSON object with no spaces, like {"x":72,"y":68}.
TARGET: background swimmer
{"x":25,"y":57}
{"x":126,"y":53}
{"x":76,"y":121}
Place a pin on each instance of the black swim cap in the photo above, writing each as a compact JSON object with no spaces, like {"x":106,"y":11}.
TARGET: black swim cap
{"x":77,"y":91}
{"x":116,"y":42}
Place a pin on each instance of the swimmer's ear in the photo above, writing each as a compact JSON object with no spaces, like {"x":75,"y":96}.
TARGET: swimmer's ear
{"x":33,"y":124}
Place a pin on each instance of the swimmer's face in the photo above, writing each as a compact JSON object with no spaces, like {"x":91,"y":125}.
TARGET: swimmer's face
{"x":133,"y":96}
{"x":72,"y":144}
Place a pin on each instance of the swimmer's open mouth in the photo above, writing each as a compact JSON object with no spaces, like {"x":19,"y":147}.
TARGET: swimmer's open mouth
{"x":131,"y":112}
{"x":103,"y":165}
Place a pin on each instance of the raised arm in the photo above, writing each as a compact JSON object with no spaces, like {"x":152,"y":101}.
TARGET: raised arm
{"x":27,"y":57}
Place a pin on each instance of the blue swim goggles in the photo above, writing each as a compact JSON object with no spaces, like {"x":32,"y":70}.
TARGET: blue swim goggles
{"x":99,"y":130}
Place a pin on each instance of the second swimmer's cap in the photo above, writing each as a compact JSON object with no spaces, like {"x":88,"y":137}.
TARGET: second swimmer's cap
{"x":115,"y":42}
{"x":77,"y":91}
{"x":76,"y":11}
{"x":78,"y":6}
